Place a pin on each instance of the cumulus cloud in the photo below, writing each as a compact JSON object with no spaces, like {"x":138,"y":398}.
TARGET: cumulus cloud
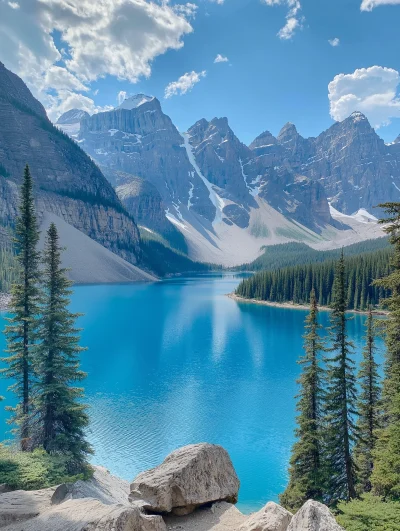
{"x":293,"y":18}
{"x":184,"y":84}
{"x":108,"y":37}
{"x":334,"y":42}
{"x":368,"y":5}
{"x":221,"y":59}
{"x":372,"y":91}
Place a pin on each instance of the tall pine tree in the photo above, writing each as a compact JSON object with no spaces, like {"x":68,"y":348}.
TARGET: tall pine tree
{"x":340,"y":398}
{"x":386,"y":473}
{"x":62,"y":416}
{"x":368,"y":408}
{"x":22,"y":325}
{"x":305,"y":463}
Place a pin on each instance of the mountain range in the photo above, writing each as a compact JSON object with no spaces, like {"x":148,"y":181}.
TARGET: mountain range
{"x":228,"y":199}
{"x":129,"y":171}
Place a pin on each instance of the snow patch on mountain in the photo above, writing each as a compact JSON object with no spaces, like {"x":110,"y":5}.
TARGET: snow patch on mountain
{"x":215,"y":199}
{"x":135,"y":101}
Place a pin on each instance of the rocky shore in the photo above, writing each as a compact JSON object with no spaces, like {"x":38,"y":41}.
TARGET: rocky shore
{"x":4,"y":301}
{"x":194,"y":489}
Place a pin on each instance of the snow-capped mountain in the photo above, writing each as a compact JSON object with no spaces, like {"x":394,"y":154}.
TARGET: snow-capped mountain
{"x":69,"y":122}
{"x":229,"y":199}
{"x":134,"y":101}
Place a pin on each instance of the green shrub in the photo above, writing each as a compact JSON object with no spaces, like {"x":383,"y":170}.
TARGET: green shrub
{"x":369,"y":513}
{"x":35,"y":470}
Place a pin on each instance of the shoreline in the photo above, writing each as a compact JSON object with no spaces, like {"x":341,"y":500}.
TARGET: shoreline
{"x":4,"y":302}
{"x":292,"y":306}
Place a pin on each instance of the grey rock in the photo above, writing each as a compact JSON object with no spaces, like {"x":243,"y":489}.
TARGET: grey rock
{"x":102,"y":486}
{"x":189,"y":477}
{"x":21,"y":505}
{"x":143,"y":201}
{"x":142,"y":141}
{"x":272,"y":517}
{"x":314,"y":516}
{"x":68,"y":183}
{"x":89,"y":514}
{"x":355,"y":166}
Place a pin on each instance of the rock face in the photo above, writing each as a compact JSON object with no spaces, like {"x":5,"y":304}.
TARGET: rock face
{"x":272,"y":517}
{"x":314,"y":516}
{"x":70,"y":121}
{"x":355,"y":166}
{"x":143,"y":201}
{"x":189,"y":477}
{"x":67,"y":181}
{"x":140,"y":140}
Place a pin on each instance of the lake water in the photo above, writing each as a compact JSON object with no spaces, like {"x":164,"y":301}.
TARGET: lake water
{"x":178,"y":362}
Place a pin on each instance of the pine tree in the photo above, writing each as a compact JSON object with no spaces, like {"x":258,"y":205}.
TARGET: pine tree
{"x":386,"y":474}
{"x":340,"y":399}
{"x":305,"y":463}
{"x":22,"y":325}
{"x":368,"y":408}
{"x":62,"y":417}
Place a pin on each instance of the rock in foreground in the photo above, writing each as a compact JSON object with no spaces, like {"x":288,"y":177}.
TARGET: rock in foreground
{"x":272,"y":517}
{"x":89,"y":514}
{"x":188,"y":478}
{"x":314,"y":516}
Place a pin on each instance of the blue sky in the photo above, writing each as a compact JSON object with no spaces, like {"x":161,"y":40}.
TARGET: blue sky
{"x":266,"y":82}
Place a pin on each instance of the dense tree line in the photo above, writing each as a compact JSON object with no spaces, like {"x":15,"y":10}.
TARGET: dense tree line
{"x":348,"y":424}
{"x":294,"y":284}
{"x":43,"y":346}
{"x":294,"y":253}
{"x":8,"y":270}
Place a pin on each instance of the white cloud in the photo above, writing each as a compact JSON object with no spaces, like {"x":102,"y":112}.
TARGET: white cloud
{"x":108,"y":37}
{"x":293,"y":19}
{"x":184,"y":84}
{"x":372,"y":91}
{"x":67,"y":100}
{"x":368,"y":5}
{"x":221,"y":59}
{"x":334,"y":42}
{"x":121,"y":96}
{"x":289,"y":28}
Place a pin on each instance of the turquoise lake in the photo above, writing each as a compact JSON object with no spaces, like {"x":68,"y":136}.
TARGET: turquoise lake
{"x":178,"y":362}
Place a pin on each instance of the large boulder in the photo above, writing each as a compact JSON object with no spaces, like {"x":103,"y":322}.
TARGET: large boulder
{"x":89,"y":514}
{"x":272,"y":517}
{"x":314,"y":516}
{"x":189,"y":477}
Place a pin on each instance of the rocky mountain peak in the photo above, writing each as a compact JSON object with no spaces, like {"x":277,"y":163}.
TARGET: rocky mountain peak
{"x":287,"y":133}
{"x":133,"y":102}
{"x":73,"y":116}
{"x":265,"y":139}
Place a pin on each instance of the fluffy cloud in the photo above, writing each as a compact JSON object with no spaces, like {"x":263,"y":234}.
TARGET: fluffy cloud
{"x":373,"y":91}
{"x":334,"y":42}
{"x":293,"y":18}
{"x":221,"y":59}
{"x":108,"y":37}
{"x":184,"y":84}
{"x":368,"y":5}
